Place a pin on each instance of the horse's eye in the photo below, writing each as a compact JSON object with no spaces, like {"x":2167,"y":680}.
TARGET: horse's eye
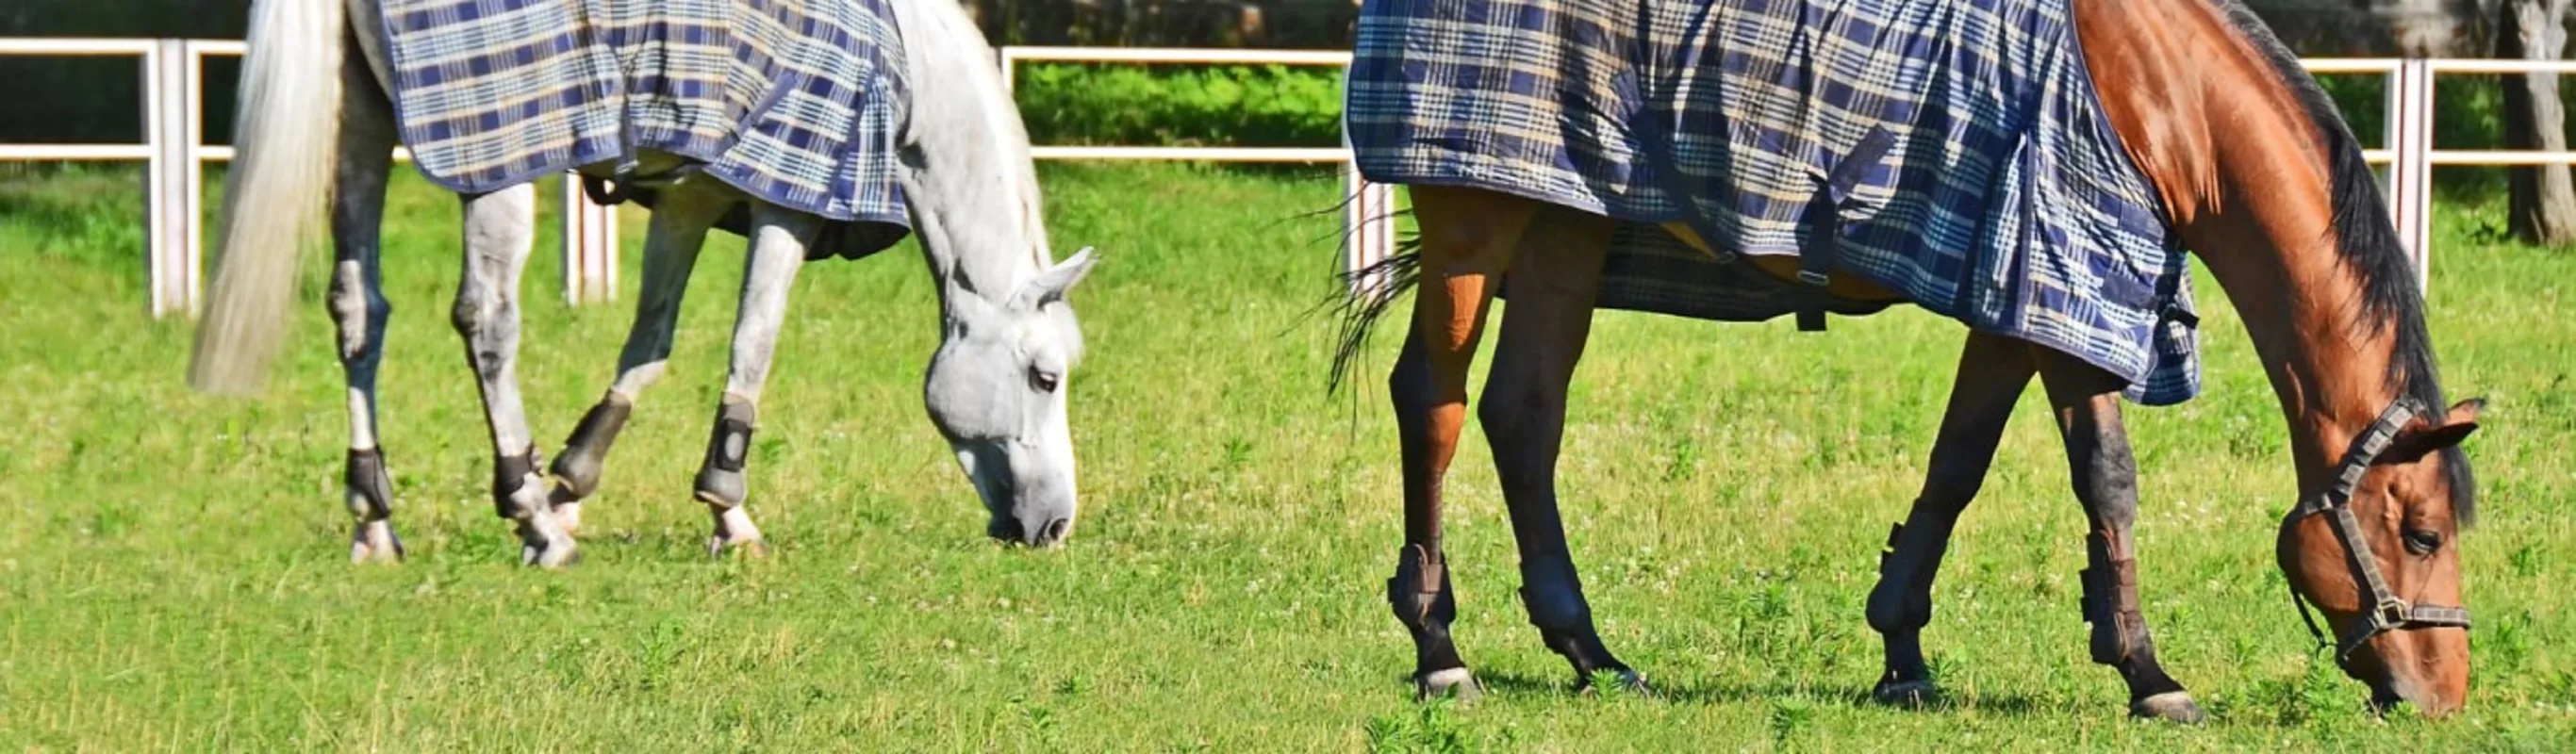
{"x":2423,"y":542}
{"x":1043,"y":380}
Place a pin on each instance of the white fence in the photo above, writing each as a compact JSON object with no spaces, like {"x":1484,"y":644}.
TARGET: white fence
{"x":173,"y":151}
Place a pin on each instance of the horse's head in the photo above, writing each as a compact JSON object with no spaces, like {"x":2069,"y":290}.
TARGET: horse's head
{"x":996,"y":390}
{"x":2407,"y":509}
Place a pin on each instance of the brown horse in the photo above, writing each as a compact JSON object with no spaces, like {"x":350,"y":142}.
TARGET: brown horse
{"x":2259,"y":176}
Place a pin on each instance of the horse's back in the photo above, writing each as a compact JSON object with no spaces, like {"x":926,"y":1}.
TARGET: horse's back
{"x":2005,"y":201}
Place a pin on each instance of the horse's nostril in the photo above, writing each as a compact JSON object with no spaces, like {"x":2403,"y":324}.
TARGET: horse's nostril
{"x":1055,"y":531}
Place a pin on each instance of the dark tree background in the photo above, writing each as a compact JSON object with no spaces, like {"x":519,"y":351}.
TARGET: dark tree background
{"x":68,"y":100}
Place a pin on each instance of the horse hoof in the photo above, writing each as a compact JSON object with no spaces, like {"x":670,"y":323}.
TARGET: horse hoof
{"x":2171,"y":706}
{"x":1457,"y":683}
{"x":375,"y":542}
{"x":1907,"y":694}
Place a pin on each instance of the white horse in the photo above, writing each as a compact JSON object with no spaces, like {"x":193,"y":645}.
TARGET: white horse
{"x":315,"y":120}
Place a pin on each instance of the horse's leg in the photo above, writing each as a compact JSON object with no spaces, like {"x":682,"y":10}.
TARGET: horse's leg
{"x":1993,"y":371}
{"x":1556,"y":278}
{"x":358,"y":306}
{"x":778,"y":240}
{"x":1467,"y":241}
{"x":498,"y":235}
{"x":679,"y":230}
{"x":2087,"y":403}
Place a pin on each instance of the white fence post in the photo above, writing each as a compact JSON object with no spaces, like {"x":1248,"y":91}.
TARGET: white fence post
{"x":589,"y":246}
{"x":172,"y":176}
{"x":2410,"y":174}
{"x":1368,"y":234}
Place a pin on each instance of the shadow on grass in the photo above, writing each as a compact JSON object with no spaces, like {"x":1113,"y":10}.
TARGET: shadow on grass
{"x":1851,"y":697}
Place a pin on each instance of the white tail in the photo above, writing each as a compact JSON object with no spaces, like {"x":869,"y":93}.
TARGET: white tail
{"x":286,"y":139}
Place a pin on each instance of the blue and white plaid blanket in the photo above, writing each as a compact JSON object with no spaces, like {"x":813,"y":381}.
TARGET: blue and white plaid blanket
{"x":795,"y":102}
{"x":2006,"y":203}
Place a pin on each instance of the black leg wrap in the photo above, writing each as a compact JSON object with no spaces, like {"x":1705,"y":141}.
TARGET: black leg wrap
{"x":720,"y":479}
{"x":365,"y":475}
{"x":1554,"y":597}
{"x":2110,"y":600}
{"x":1891,"y":607}
{"x":1420,"y":597}
{"x":1419,"y":592}
{"x":586,"y":452}
{"x":507,"y":474}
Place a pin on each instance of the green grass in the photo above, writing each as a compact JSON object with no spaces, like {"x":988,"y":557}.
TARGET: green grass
{"x":172,"y":575}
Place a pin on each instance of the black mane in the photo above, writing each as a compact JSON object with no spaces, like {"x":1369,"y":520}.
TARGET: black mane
{"x":2366,"y":239}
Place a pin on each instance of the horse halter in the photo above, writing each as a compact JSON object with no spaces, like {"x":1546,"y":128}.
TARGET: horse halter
{"x":2386,"y":611}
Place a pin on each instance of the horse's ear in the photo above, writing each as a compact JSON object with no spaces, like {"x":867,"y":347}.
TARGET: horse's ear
{"x":1050,"y":286}
{"x":2456,"y":425}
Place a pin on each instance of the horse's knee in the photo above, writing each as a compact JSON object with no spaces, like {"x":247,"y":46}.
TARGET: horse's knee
{"x":1512,"y":413}
{"x":1951,"y":489}
{"x":1408,"y":384}
{"x":1519,"y":412}
{"x":470,"y":315}
{"x":2105,"y":475}
{"x":358,"y":310}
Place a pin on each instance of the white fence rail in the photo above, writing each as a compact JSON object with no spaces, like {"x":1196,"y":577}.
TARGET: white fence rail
{"x":173,"y":151}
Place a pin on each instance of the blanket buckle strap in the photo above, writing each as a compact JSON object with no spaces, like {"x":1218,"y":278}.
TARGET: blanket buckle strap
{"x":1824,"y":237}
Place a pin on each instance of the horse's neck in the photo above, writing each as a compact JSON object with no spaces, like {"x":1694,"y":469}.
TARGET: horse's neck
{"x":2250,"y":189}
{"x":974,"y":196}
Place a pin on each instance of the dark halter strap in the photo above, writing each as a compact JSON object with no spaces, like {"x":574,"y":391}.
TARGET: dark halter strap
{"x":2386,"y":611}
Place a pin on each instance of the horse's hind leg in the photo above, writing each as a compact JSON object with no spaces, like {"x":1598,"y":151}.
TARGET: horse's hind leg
{"x":1993,"y":371}
{"x":679,"y":230}
{"x":358,"y":306}
{"x":1468,"y":238}
{"x":1555,"y":280}
{"x":498,"y":236}
{"x":2087,"y":403}
{"x":778,"y":240}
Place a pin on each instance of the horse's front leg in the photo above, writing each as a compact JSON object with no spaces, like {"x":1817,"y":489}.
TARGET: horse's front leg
{"x":679,"y":229}
{"x":1555,"y":280}
{"x":778,"y":241}
{"x":498,"y":235}
{"x":358,"y":306}
{"x":1993,"y":371}
{"x":2087,"y":403}
{"x":1468,"y":237}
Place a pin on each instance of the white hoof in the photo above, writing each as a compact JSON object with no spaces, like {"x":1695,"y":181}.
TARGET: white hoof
{"x":735,"y":531}
{"x":2174,"y":706}
{"x":374,"y":542}
{"x":543,"y":545}
{"x":1457,"y":683}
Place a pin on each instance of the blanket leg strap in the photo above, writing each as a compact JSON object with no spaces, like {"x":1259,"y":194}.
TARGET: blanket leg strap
{"x":1824,"y":236}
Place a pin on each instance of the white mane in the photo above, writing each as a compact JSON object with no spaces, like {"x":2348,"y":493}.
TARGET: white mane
{"x":970,"y":153}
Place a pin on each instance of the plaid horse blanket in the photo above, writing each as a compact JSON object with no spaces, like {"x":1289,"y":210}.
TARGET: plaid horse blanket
{"x":2002,"y":198}
{"x":795,"y":102}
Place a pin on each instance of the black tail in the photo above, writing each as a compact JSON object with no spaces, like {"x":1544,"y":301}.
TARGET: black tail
{"x":1396,"y":276}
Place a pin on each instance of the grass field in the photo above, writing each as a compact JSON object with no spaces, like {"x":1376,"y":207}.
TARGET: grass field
{"x":173,"y":575}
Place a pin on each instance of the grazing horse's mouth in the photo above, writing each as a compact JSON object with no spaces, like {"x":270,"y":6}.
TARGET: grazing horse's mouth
{"x":1008,"y":529}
